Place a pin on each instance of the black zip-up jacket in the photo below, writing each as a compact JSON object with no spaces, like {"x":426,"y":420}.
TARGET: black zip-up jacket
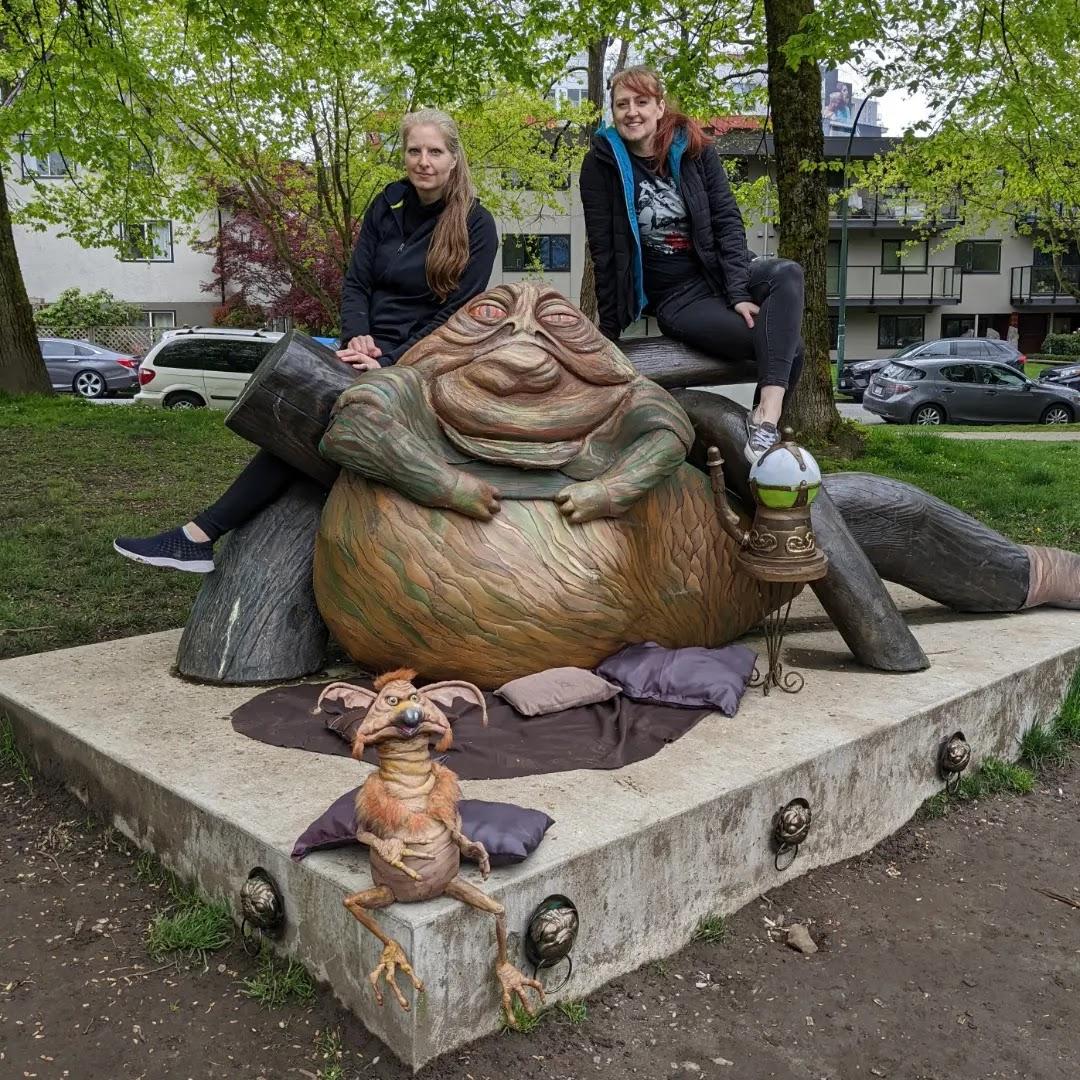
{"x":386,"y":293}
{"x":716,"y":229}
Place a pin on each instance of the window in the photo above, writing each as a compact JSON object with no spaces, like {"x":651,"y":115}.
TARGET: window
{"x":958,"y":373}
{"x":976,"y":348}
{"x":957,"y":325}
{"x":898,"y":258}
{"x":992,"y":375}
{"x":52,"y":349}
{"x":530,"y":251}
{"x":50,"y":167}
{"x":737,"y":169}
{"x":220,"y":355}
{"x":147,"y":241}
{"x":834,"y":329}
{"x":896,"y":330}
{"x":978,"y":256}
{"x":902,"y":371}
{"x":576,"y":95}
{"x":159,"y":320}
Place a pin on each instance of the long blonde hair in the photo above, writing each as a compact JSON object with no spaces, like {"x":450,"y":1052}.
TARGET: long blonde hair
{"x":448,"y":254}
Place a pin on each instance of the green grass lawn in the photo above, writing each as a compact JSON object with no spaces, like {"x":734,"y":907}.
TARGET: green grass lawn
{"x":76,"y":475}
{"x":1029,"y":491}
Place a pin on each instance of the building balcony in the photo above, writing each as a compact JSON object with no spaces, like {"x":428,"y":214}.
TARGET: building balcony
{"x":874,"y":210}
{"x":875,"y":286}
{"x":1039,"y":286}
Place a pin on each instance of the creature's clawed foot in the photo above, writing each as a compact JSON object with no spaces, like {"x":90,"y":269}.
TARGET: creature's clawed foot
{"x":586,"y":501}
{"x":514,"y":983}
{"x":393,"y":957}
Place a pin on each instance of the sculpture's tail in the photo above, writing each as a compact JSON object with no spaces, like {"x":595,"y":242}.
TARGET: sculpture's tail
{"x":1053,"y":577}
{"x":939,"y":551}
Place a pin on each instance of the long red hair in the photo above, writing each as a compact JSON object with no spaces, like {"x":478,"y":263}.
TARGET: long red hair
{"x":643,"y":80}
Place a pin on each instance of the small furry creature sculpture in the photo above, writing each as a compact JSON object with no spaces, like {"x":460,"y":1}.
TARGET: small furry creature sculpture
{"x":407,"y":815}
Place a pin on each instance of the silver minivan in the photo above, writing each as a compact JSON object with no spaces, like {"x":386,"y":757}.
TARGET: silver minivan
{"x":202,"y":366}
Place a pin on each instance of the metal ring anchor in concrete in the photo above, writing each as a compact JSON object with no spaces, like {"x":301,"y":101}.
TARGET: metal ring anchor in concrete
{"x":261,"y":904}
{"x":954,"y":756}
{"x":550,"y":938}
{"x":792,"y":825}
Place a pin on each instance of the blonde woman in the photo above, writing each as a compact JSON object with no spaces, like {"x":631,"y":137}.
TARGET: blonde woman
{"x":426,"y":247}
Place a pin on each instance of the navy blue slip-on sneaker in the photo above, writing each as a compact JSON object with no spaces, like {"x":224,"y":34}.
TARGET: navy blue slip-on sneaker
{"x":172,"y":549}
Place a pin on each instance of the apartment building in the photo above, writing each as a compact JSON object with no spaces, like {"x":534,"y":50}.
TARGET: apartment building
{"x":159,"y":270}
{"x":900,"y":287}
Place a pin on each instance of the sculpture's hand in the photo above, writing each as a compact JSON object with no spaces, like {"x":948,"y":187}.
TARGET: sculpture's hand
{"x":586,"y":501}
{"x":474,"y":497}
{"x":394,"y":850}
{"x":474,"y":850}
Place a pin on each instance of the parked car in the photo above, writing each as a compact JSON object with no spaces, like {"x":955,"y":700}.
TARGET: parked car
{"x":856,"y":375}
{"x":1069,"y":375}
{"x":201,"y":366}
{"x":976,"y":392}
{"x":87,"y":370}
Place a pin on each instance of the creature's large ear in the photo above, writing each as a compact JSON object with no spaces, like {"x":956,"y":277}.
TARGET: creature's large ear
{"x":443,"y":693}
{"x":347,"y":695}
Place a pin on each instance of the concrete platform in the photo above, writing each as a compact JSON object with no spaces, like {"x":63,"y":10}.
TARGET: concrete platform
{"x":644,"y":852}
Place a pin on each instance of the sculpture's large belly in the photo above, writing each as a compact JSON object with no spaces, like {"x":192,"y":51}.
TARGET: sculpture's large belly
{"x":400,"y":583}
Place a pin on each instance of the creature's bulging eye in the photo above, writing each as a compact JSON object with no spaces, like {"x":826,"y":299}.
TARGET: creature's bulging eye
{"x":391,"y":700}
{"x":487,"y":311}
{"x":558,"y":318}
{"x":414,"y":698}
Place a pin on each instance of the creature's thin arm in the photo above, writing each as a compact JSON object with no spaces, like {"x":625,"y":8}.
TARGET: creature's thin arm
{"x":471,"y":849}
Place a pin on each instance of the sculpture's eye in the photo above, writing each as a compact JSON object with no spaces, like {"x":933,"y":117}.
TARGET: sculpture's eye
{"x":558,"y":317}
{"x":487,"y":311}
{"x":414,"y":698}
{"x":391,"y":700}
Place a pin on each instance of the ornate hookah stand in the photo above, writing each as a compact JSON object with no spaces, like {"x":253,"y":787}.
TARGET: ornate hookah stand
{"x":778,"y":549}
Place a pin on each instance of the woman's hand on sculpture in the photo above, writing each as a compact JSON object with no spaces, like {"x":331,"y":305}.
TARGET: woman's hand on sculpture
{"x":361,"y":352}
{"x":747,"y":310}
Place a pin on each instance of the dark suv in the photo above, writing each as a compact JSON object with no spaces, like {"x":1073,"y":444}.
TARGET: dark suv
{"x":976,"y":391}
{"x":855,"y":377}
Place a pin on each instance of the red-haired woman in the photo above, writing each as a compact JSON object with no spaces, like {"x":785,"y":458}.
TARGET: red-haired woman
{"x":667,"y":239}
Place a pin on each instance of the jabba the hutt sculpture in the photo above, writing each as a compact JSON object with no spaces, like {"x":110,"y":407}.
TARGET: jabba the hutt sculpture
{"x":516,"y":497}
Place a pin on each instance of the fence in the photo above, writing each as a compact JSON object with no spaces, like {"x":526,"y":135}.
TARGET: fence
{"x":135,"y":340}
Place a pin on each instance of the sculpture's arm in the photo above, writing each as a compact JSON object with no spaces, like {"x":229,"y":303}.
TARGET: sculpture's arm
{"x":393,"y":851}
{"x":471,"y":849}
{"x":383,"y":429}
{"x":639,"y":468}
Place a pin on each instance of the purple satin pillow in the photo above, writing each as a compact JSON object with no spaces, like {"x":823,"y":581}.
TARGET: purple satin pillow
{"x":694,"y":677}
{"x":510,"y":833}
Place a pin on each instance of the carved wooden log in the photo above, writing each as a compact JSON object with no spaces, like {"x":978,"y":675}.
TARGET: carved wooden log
{"x":673,"y":364}
{"x":286,"y":404}
{"x":255,"y":618}
{"x":852,"y":592}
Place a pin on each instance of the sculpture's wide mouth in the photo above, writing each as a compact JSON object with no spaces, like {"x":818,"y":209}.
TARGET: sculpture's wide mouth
{"x":515,"y":394}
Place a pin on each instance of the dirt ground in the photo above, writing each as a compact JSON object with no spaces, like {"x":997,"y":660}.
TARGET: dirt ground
{"x":938,"y":960}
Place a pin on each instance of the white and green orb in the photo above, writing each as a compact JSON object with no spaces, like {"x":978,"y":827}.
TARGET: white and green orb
{"x":780,"y":475}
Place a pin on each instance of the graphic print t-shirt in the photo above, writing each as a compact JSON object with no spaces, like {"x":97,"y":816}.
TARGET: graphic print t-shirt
{"x":666,"y":249}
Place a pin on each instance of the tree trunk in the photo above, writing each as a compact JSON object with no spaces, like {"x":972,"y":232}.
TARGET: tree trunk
{"x":597,"y":53}
{"x":795,"y":103}
{"x":22,"y":370}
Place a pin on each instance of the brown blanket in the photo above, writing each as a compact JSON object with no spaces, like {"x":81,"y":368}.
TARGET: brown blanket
{"x":603,"y":736}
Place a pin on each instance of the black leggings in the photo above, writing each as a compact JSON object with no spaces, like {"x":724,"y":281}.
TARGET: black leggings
{"x":264,"y":479}
{"x":705,"y":321}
